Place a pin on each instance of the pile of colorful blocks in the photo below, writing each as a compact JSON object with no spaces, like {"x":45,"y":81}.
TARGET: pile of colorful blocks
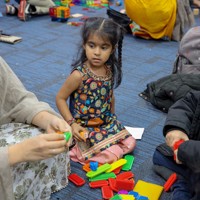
{"x":60,"y":12}
{"x":116,"y":181}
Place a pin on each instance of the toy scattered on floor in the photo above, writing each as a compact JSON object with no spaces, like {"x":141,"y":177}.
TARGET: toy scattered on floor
{"x":75,"y":23}
{"x":60,"y":12}
{"x":128,"y":165}
{"x":170,"y":181}
{"x":119,"y":3}
{"x":150,"y":190}
{"x":11,"y":39}
{"x":91,"y":3}
{"x":76,"y":179}
{"x":123,"y":183}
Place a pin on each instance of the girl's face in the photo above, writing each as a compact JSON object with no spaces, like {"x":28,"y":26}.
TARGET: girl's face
{"x":97,"y":50}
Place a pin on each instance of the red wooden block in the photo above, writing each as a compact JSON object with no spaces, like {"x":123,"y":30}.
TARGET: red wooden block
{"x":176,"y":146}
{"x":124,"y":184}
{"x":112,"y":183}
{"x":76,"y":179}
{"x":107,"y":192}
{"x":170,"y":181}
{"x":117,"y":171}
{"x":97,"y":184}
{"x":125,"y":175}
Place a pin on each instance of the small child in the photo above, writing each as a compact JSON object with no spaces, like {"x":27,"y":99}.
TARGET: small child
{"x":96,"y":72}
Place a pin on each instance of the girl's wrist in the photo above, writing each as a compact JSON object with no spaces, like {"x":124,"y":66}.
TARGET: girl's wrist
{"x":71,"y":121}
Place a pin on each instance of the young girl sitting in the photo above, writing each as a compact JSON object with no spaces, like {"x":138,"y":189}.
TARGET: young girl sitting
{"x":96,"y":72}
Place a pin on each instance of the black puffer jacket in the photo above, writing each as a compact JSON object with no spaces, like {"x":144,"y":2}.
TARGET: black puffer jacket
{"x":185,"y":115}
{"x":167,"y":90}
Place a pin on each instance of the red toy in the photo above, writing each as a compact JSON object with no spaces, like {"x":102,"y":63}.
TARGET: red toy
{"x":107,"y":192}
{"x":97,"y":184}
{"x":76,"y":179}
{"x":124,"y":184}
{"x":170,"y":181}
{"x":176,"y":146}
{"x":125,"y":175}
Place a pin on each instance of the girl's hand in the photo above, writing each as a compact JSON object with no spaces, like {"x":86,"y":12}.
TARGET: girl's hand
{"x":76,"y":129}
{"x":174,"y":136}
{"x":37,"y":148}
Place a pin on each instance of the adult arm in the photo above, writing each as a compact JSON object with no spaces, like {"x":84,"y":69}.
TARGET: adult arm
{"x":16,"y":103}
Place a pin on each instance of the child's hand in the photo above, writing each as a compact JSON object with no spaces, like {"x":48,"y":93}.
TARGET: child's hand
{"x":177,"y":160}
{"x":174,"y":136}
{"x":76,"y":130}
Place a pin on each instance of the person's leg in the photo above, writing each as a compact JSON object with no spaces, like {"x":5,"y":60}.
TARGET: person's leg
{"x":34,"y":7}
{"x":168,"y":162}
{"x":40,"y":7}
{"x":21,"y":12}
{"x":181,"y":188}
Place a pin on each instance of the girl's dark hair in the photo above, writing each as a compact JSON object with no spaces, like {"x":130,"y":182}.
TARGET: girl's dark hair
{"x":108,"y":29}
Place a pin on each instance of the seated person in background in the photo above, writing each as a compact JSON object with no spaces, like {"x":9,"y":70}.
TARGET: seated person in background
{"x":182,"y":130}
{"x":33,"y":165}
{"x":27,"y":8}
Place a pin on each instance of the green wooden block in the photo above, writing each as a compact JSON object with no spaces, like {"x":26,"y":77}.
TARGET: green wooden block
{"x":104,"y":176}
{"x":128,"y":166}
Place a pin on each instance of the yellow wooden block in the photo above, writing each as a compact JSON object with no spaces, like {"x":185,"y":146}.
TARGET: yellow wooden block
{"x":116,"y":164}
{"x":127,"y":197}
{"x":150,"y":190}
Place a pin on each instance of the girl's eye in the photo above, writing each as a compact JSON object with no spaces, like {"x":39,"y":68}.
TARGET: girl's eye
{"x":91,"y":45}
{"x":104,"y":47}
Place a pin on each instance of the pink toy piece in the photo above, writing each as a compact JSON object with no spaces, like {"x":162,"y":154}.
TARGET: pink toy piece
{"x":123,"y":192}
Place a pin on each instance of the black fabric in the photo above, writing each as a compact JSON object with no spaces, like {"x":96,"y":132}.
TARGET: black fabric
{"x":185,"y":114}
{"x":164,"y":172}
{"x":120,"y":18}
{"x":165,"y":150}
{"x":189,"y":154}
{"x":164,"y":92}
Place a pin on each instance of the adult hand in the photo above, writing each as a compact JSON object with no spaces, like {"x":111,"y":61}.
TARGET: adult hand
{"x":174,"y":136}
{"x":57,"y":124}
{"x":37,"y":148}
